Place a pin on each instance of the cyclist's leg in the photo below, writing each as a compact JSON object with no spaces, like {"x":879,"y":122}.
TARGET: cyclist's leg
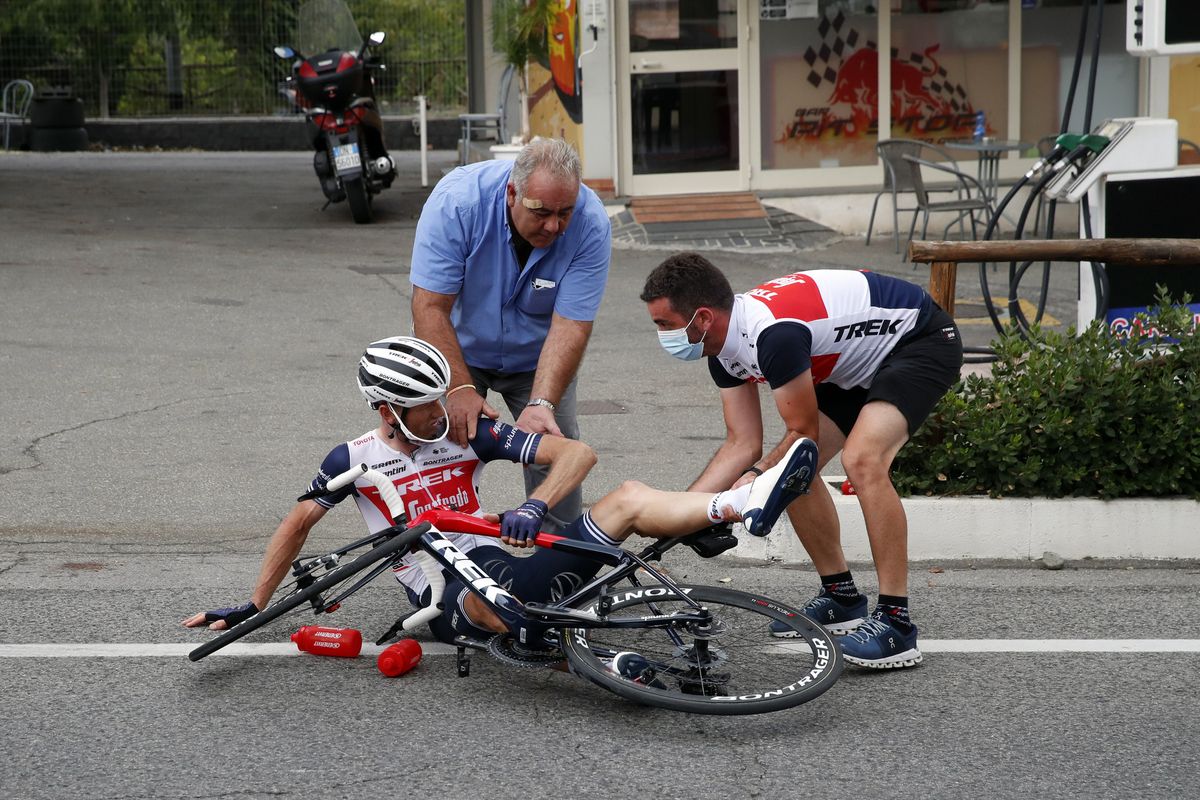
{"x":464,"y":613}
{"x":634,"y":506}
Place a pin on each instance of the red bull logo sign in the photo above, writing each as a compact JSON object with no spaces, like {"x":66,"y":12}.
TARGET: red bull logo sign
{"x":925,"y":101}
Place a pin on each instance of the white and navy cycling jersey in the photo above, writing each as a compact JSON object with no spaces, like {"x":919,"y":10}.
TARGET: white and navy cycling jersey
{"x":439,"y":474}
{"x":841,"y":323}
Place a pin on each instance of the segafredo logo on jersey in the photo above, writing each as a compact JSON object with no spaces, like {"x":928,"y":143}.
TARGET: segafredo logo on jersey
{"x":446,"y":487}
{"x":469,"y":571}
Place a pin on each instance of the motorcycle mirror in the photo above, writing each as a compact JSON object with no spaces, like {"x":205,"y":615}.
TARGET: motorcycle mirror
{"x":284,"y":52}
{"x":376,"y":38}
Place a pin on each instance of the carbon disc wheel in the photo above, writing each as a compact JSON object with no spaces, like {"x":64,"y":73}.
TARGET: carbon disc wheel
{"x":727,"y":664}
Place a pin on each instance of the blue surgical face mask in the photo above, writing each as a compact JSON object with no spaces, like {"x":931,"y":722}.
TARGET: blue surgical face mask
{"x":676,"y":342}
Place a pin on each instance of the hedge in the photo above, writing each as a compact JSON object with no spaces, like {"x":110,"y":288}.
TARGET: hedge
{"x":1065,"y":415}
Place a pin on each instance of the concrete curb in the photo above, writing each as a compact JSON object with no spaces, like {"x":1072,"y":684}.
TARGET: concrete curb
{"x":1011,"y":528}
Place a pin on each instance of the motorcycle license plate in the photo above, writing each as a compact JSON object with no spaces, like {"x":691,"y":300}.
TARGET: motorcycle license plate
{"x":346,"y":158}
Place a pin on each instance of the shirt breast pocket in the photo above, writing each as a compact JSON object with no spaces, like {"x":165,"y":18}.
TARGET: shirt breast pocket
{"x":537,"y":298}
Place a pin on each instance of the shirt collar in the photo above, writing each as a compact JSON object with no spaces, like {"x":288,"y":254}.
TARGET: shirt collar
{"x":733,"y":334}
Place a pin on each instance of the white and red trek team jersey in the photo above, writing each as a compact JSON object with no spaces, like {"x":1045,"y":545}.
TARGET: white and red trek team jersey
{"x":440,"y":474}
{"x":841,"y":323}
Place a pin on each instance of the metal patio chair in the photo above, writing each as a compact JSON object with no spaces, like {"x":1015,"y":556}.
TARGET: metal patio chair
{"x":897,"y":178}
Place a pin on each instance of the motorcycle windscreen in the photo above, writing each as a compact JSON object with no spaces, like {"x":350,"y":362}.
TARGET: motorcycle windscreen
{"x":324,"y":25}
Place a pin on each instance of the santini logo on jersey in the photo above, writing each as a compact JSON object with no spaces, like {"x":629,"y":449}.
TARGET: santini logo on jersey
{"x":872,"y":327}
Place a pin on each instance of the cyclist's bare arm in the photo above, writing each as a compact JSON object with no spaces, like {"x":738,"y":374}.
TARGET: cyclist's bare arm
{"x":570,"y":461}
{"x":743,"y":439}
{"x":796,"y":401}
{"x":283,"y":548}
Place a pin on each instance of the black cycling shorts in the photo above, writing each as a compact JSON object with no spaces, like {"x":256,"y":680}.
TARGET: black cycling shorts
{"x":913,"y":377}
{"x":542,"y":577}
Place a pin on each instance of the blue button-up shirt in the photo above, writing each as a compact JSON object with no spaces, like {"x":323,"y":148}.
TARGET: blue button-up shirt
{"x":464,"y":247}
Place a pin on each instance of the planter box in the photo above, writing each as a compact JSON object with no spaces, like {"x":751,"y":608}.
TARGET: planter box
{"x":1016,"y":528}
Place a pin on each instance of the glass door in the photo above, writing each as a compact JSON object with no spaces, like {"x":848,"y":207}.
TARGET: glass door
{"x":681,"y":83}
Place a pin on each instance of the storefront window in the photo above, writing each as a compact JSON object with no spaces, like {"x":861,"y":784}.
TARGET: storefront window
{"x":1050,"y":37}
{"x":657,"y":25}
{"x":949,"y":62}
{"x":819,"y":90}
{"x":684,"y":122}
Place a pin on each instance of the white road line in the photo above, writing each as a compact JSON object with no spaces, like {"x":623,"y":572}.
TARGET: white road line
{"x":152,"y":650}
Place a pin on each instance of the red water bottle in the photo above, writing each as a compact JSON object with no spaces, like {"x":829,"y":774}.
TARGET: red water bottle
{"x":399,"y":658}
{"x":322,"y":641}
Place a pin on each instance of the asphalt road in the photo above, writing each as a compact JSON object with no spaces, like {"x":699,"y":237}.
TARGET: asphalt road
{"x":177,"y":346}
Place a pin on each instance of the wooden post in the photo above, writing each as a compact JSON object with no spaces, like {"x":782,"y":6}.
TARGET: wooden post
{"x":942,"y":277}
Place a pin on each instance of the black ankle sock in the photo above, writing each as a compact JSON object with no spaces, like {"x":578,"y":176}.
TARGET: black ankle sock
{"x":895,"y":609}
{"x":841,"y":588}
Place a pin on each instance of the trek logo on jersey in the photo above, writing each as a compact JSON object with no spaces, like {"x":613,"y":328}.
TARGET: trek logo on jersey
{"x":431,"y":478}
{"x":872,"y":327}
{"x":444,"y":488}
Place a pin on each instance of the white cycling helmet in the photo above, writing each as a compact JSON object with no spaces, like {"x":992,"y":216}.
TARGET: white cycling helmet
{"x":402,"y":371}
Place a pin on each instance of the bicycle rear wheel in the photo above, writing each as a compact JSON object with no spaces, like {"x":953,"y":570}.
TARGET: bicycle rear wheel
{"x":733,"y":667}
{"x":298,"y":596}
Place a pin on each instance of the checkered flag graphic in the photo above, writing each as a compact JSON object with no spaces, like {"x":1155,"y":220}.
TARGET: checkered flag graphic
{"x":839,"y":40}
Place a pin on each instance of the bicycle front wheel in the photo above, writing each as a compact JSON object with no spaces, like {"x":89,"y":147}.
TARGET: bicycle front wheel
{"x":729,"y":665}
{"x":331,"y":581}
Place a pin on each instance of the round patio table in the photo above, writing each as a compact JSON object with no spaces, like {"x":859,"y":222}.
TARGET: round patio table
{"x":989,"y":151}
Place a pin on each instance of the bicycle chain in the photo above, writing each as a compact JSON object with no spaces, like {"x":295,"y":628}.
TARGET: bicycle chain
{"x":504,"y":649}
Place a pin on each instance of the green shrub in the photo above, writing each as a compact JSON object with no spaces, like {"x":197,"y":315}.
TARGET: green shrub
{"x":1093,"y":415}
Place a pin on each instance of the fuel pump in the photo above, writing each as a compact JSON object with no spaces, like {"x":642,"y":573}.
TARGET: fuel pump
{"x":1131,"y":188}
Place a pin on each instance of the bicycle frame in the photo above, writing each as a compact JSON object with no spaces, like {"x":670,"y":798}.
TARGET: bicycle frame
{"x":436,"y":552}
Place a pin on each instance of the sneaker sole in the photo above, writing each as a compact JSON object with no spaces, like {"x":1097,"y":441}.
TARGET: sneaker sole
{"x":798,"y":476}
{"x":909,"y":658}
{"x":837,"y":628}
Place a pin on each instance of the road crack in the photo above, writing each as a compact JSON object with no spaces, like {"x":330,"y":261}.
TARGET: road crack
{"x":30,"y":450}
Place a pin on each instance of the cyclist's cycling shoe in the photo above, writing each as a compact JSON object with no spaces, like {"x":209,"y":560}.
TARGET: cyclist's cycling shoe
{"x":636,"y":668}
{"x":828,"y":613}
{"x":781,"y":484}
{"x":879,"y":644}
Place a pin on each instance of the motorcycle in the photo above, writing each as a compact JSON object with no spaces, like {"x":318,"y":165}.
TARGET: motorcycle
{"x":332,"y":81}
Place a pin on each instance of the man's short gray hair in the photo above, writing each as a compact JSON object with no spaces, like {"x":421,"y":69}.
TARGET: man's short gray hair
{"x":556,"y":156}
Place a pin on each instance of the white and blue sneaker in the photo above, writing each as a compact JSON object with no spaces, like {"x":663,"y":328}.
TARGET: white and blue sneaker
{"x":878,"y":644}
{"x":829,"y":614}
{"x":781,"y":484}
{"x":636,"y":668}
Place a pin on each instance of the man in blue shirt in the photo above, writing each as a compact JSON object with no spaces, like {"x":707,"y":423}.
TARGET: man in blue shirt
{"x":509,"y":265}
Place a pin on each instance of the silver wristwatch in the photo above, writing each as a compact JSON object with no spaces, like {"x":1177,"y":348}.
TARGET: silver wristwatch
{"x":541,"y":401}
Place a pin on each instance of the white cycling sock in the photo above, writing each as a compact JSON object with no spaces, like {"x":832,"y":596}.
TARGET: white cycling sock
{"x":733,"y":498}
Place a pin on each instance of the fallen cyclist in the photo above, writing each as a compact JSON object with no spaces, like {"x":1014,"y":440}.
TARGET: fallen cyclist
{"x":405,"y":379}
